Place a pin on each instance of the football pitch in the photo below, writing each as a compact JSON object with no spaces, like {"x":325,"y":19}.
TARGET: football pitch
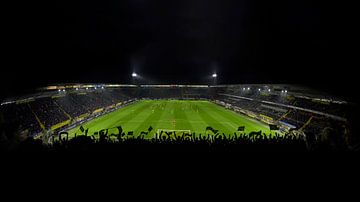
{"x":172,"y":115}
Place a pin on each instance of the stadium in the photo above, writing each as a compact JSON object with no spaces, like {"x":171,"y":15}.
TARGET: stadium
{"x":293,"y":117}
{"x":188,"y":75}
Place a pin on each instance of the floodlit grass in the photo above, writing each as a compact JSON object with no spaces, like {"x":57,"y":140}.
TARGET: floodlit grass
{"x":172,"y":115}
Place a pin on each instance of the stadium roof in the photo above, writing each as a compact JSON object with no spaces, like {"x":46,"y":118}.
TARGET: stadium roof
{"x":294,"y":90}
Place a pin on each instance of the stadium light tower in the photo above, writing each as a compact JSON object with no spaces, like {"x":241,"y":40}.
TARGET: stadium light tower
{"x":135,"y":78}
{"x":214,"y":76}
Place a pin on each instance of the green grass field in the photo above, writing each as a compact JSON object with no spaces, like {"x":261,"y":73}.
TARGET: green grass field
{"x":172,"y":115}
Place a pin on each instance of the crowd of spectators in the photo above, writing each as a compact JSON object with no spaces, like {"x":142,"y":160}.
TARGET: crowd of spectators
{"x":253,"y":141}
{"x":197,"y":93}
{"x":48,"y":112}
{"x":89,"y":103}
{"x":21,"y":117}
{"x":174,"y":93}
{"x":276,"y":97}
{"x":256,"y":107}
{"x":70,"y":106}
{"x":272,"y":112}
{"x":333,"y":108}
{"x":51,"y":110}
{"x":157,"y":93}
{"x":297,"y":118}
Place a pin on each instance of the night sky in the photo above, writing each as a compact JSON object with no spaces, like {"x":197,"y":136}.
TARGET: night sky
{"x":243,"y":41}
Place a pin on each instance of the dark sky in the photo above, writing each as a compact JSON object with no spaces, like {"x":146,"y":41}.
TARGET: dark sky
{"x":185,"y":41}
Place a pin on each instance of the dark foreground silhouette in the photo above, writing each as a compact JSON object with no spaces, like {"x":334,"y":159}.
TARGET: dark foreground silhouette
{"x":254,"y":141}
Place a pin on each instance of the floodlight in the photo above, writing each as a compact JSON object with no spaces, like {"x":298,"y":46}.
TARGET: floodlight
{"x":259,"y":89}
{"x":269,"y":90}
{"x":285,"y":91}
{"x":248,"y":88}
{"x":59,"y":90}
{"x":243,"y":88}
{"x":214,"y":75}
{"x":134,"y":74}
{"x":102,"y":87}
